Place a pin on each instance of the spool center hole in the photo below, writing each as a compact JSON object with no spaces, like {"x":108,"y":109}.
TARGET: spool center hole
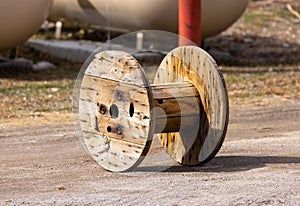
{"x":114,"y":111}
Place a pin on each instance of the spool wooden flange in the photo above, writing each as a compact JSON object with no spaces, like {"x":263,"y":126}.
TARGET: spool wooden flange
{"x":192,"y":64}
{"x":114,"y":110}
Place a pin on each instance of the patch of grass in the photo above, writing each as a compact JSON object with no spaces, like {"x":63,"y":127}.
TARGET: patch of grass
{"x":26,"y":97}
{"x":257,"y":19}
{"x":244,"y":87}
{"x":284,"y":13}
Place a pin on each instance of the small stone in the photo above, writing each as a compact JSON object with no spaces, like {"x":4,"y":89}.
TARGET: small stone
{"x":60,"y":187}
{"x":54,"y":89}
{"x":43,"y":65}
{"x":211,"y":178}
{"x":247,"y":40}
{"x":286,"y":45}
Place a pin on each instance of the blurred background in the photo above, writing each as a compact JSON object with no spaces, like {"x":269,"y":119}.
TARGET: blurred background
{"x":256,"y":44}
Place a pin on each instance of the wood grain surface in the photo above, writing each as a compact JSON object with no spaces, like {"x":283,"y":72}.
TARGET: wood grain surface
{"x":114,"y":111}
{"x":192,"y":64}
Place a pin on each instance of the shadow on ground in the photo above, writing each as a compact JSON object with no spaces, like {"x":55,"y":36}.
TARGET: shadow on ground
{"x":228,"y":164}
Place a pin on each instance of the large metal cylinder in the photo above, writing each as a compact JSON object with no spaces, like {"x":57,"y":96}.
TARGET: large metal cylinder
{"x":132,"y":15}
{"x":21,"y":19}
{"x":189,"y":21}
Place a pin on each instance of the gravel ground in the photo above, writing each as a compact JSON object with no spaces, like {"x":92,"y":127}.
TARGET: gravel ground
{"x":259,"y":164}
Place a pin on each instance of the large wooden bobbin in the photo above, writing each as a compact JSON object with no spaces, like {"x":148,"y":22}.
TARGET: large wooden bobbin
{"x":120,"y":111}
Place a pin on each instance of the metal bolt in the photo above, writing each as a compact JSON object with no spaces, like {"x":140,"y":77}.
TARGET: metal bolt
{"x":102,"y":109}
{"x":119,"y":130}
{"x":119,"y":95}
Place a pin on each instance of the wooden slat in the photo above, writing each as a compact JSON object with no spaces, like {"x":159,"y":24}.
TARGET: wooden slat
{"x":176,"y":106}
{"x":116,"y":65}
{"x":174,"y":90}
{"x":180,"y":106}
{"x":175,"y":124}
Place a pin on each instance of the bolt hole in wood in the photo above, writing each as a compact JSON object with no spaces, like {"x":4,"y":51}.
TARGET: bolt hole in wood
{"x":119,"y":130}
{"x":108,"y":129}
{"x":102,"y":108}
{"x":131,"y":109}
{"x":160,"y":101}
{"x":114,"y":111}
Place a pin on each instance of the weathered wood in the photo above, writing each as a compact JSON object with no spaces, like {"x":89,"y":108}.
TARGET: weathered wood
{"x":176,"y":105}
{"x":114,"y":111}
{"x":118,"y":66}
{"x":175,"y":124}
{"x":108,"y":93}
{"x":120,"y":111}
{"x":191,"y":64}
{"x":115,"y":154}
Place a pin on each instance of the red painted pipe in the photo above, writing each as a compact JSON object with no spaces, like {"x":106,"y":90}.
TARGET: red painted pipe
{"x":189,"y":21}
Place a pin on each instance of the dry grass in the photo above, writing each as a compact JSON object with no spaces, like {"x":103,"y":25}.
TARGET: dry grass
{"x":264,"y":68}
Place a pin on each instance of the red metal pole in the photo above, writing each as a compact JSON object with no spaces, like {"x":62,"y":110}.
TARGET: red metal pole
{"x":189,"y":21}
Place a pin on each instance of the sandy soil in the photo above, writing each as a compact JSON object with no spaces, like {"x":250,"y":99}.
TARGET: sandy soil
{"x":259,"y":164}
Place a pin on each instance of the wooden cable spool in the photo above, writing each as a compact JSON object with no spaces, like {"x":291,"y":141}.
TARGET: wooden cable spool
{"x":119,"y":111}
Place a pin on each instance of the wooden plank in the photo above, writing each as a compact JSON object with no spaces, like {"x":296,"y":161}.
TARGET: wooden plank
{"x":176,"y":124}
{"x":174,"y":90}
{"x":117,"y":65}
{"x":176,"y":107}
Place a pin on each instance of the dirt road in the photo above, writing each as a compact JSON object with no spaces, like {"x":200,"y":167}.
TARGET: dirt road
{"x":259,"y":164}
